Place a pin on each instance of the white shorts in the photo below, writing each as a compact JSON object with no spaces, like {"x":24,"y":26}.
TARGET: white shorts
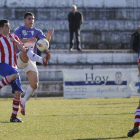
{"x":30,"y":66}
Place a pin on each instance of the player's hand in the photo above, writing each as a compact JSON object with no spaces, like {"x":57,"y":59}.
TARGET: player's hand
{"x":33,"y":39}
{"x":50,"y":32}
{"x":46,"y":51}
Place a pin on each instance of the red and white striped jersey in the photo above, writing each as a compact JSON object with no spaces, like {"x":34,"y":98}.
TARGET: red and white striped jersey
{"x":8,"y":50}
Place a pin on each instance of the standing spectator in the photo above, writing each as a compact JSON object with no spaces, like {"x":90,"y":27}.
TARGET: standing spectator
{"x":75,"y":19}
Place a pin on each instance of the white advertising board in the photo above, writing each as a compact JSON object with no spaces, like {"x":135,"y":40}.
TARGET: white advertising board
{"x":108,"y":83}
{"x":134,"y":79}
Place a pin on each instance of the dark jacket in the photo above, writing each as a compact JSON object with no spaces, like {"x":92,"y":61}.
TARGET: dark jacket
{"x":135,"y":41}
{"x":76,"y":20}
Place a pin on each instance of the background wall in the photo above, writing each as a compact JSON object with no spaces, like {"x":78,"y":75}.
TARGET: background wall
{"x":108,"y":24}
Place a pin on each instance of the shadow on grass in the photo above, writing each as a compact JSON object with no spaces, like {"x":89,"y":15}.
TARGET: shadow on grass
{"x":108,"y":103}
{"x":5,"y":122}
{"x":90,"y":114}
{"x":124,"y":137}
{"x":74,"y":115}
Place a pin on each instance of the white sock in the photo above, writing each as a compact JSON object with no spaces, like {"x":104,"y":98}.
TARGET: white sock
{"x":28,"y":94}
{"x":34,"y":57}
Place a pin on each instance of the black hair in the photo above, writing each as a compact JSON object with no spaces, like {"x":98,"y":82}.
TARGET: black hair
{"x":2,"y":21}
{"x":28,"y":14}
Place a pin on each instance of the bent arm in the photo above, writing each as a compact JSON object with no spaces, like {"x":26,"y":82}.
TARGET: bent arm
{"x":81,"y":19}
{"x":49,"y":34}
{"x":131,"y":41}
{"x":69,"y":17}
{"x":19,"y":45}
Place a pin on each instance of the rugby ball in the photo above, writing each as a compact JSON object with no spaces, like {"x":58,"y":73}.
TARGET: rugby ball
{"x":42,"y":44}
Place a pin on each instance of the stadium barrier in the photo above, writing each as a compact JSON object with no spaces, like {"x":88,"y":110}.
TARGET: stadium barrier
{"x":86,"y":83}
{"x":106,"y":83}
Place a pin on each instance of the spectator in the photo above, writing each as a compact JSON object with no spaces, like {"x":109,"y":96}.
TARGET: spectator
{"x":75,"y":19}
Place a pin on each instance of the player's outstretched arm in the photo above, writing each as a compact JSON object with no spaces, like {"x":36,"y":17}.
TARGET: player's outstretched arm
{"x":49,"y":34}
{"x":19,"y":45}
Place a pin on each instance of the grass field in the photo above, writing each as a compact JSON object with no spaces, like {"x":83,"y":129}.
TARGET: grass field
{"x":70,"y":119}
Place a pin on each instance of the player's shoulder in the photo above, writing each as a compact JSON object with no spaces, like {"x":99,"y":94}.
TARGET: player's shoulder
{"x":79,"y":13}
{"x":13,"y":35}
{"x":37,"y":30}
{"x":19,"y":28}
{"x":70,"y":13}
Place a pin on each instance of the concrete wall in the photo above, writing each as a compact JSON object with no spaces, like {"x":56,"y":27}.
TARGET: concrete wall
{"x":68,"y":3}
{"x":108,"y":24}
{"x":45,"y":89}
{"x":75,"y":60}
{"x":51,"y":78}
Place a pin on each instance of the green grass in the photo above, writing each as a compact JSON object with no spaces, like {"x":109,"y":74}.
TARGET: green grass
{"x":70,"y":119}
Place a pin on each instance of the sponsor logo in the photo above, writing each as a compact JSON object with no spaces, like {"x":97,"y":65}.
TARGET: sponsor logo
{"x":32,"y":32}
{"x":118,"y":78}
{"x":24,"y":32}
{"x":92,"y":79}
{"x":96,"y":79}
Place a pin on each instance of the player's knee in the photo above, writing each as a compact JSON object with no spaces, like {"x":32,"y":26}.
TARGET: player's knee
{"x":24,"y":57}
{"x":13,"y":77}
{"x":34,"y":86}
{"x":17,"y":94}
